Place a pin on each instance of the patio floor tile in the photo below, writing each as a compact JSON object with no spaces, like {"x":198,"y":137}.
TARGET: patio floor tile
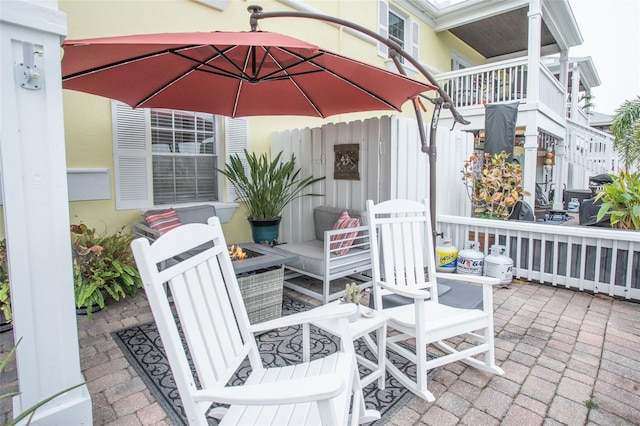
{"x":559,"y":348}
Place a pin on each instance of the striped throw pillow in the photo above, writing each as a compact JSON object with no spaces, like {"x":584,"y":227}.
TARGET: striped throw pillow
{"x":163,"y":221}
{"x":345,"y":240}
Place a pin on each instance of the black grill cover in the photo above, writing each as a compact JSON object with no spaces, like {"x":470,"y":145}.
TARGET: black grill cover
{"x":500,"y":127}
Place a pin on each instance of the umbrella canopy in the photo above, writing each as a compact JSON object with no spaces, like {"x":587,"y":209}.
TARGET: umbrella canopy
{"x":231,"y":73}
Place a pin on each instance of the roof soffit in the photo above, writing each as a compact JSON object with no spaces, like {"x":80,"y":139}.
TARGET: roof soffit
{"x":496,"y":28}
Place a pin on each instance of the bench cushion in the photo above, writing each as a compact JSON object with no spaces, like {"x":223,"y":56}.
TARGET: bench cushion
{"x":324,"y":217}
{"x":345,"y":240}
{"x":311,"y":257}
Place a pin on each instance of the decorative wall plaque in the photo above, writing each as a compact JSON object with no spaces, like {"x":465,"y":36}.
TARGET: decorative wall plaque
{"x":347,"y":161}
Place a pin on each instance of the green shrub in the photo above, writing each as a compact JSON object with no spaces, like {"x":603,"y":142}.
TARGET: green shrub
{"x":102,"y":264}
{"x":494,"y":185}
{"x":621,"y":201}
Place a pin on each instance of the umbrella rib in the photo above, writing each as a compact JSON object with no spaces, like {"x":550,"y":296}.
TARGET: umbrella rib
{"x":290,"y":76}
{"x":124,"y":62}
{"x":357,"y":86}
{"x":212,"y":68}
{"x":222,"y":72}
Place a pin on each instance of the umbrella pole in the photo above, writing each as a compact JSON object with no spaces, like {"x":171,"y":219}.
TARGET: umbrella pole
{"x":443,"y":98}
{"x":429,"y":148}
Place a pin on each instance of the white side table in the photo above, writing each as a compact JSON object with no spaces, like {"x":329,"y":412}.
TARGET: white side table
{"x":361,"y":328}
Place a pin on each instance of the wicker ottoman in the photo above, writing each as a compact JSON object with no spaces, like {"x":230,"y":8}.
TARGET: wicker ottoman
{"x":262,"y":293}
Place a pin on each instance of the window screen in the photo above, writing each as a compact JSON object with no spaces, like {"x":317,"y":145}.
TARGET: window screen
{"x":184,"y":150}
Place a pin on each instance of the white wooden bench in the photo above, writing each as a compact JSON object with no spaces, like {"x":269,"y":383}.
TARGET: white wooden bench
{"x":316,"y":258}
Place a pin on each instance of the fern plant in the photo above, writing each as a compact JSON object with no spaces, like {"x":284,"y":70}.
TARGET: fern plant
{"x":103,"y":265}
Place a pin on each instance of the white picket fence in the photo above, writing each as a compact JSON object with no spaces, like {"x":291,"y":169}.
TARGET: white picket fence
{"x":584,"y":258}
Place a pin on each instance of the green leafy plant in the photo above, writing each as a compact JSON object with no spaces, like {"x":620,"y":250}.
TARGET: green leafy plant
{"x":5,"y":292}
{"x":102,"y":264}
{"x":352,"y":293}
{"x":494,"y":184}
{"x":621,"y":201}
{"x":268,"y":186}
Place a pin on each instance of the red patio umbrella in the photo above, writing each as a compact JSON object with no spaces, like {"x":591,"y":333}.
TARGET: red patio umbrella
{"x":231,"y":73}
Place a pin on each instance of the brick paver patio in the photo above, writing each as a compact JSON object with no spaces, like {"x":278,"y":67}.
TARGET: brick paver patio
{"x":569,"y":357}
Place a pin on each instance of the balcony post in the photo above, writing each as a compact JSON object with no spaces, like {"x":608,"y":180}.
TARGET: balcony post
{"x":533,"y":96}
{"x":575,"y":89}
{"x":558,"y":176}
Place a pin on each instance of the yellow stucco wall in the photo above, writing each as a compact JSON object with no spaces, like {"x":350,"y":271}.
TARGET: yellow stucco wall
{"x":88,"y":118}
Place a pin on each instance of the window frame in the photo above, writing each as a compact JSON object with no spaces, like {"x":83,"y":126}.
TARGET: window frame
{"x":411,"y":43}
{"x":175,"y":131}
{"x":132,"y":158}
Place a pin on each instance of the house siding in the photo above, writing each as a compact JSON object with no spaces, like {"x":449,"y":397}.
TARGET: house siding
{"x":88,"y":122}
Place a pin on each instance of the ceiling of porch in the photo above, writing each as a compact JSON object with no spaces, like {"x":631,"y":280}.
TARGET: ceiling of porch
{"x":499,"y":29}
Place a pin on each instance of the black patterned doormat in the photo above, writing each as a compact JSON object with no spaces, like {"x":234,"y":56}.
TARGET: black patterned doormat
{"x":143,"y":348}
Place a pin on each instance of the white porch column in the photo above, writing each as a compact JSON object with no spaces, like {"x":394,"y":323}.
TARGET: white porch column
{"x":36,"y":213}
{"x":564,"y":72}
{"x":559,"y":168}
{"x":533,"y":95}
{"x":575,"y":89}
{"x":558,"y":177}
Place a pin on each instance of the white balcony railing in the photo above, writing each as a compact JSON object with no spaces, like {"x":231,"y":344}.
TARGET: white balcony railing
{"x":591,"y":150}
{"x":498,"y":82}
{"x":551,"y":91}
{"x":586,"y":258}
{"x":504,"y":81}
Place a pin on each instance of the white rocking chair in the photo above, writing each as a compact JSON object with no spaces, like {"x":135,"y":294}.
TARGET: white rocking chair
{"x":402,"y":254}
{"x":218,"y":335}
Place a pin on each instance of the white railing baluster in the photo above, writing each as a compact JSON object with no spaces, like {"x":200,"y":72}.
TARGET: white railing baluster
{"x":614,"y":267}
{"x":534,"y":245}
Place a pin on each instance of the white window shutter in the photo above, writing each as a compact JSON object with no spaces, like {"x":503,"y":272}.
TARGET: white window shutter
{"x":236,"y":141}
{"x":415,"y":40}
{"x":132,"y":157}
{"x":383,"y":27}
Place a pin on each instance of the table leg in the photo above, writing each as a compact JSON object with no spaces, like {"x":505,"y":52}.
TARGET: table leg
{"x":306,"y":338}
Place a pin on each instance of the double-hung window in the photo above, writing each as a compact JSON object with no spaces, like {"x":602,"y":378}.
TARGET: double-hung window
{"x":397,"y":26}
{"x":396,"y":30}
{"x":169,"y":157}
{"x":184,"y":154}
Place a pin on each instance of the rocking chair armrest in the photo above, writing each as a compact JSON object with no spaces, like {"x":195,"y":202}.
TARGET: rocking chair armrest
{"x":473,"y":279}
{"x":332,"y":310}
{"x":417,"y":294}
{"x":292,"y":391}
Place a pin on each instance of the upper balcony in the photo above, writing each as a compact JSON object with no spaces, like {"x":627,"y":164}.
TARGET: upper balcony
{"x":504,"y":81}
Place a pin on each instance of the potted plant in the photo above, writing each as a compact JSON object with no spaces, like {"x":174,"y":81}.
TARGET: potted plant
{"x":494,"y":184}
{"x":103,"y":265}
{"x":265,"y":189}
{"x":621,"y":201}
{"x":5,"y":294}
